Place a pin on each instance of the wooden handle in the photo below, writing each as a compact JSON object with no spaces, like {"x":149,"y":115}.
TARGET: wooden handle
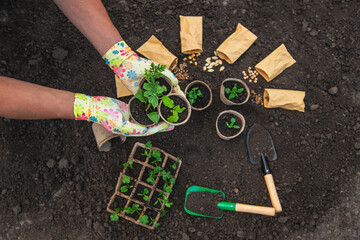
{"x":268,"y":211}
{"x":272,"y":192}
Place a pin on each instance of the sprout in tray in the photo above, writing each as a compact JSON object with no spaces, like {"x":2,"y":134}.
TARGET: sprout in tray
{"x":126,"y":186}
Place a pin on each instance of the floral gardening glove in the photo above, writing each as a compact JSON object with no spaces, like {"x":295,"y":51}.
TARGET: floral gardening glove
{"x":130,"y":68}
{"x":112,"y":115}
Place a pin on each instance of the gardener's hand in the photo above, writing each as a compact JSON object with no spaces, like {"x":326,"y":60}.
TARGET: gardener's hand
{"x":113,"y":115}
{"x":130,"y":68}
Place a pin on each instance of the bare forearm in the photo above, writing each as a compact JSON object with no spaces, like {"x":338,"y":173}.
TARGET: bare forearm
{"x":23,"y":100}
{"x":91,"y":18}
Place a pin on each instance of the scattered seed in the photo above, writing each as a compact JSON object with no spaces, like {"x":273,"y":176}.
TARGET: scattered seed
{"x":210,"y":70}
{"x":204,"y":68}
{"x":194,"y":59}
{"x":250,"y":80}
{"x":210,"y":66}
{"x":215,"y":53}
{"x":195,"y":63}
{"x":185,"y":59}
{"x":215,"y":58}
{"x":208,"y":60}
{"x":191,"y":62}
{"x":221,"y":68}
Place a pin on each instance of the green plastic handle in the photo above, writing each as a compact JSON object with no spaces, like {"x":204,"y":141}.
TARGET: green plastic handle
{"x":229,"y":206}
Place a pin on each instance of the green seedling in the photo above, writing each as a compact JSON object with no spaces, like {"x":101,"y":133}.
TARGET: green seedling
{"x":114,"y":217}
{"x":157,"y":157}
{"x":153,"y":174}
{"x":144,"y":219}
{"x":127,"y":186}
{"x":174,"y":166}
{"x":175,"y":110}
{"x":144,"y":194}
{"x":130,"y":164}
{"x":151,"y":90}
{"x":232,"y":124}
{"x":135,"y":208}
{"x":194,"y":94}
{"x":233,"y":92}
{"x":163,"y":199}
{"x":148,"y":144}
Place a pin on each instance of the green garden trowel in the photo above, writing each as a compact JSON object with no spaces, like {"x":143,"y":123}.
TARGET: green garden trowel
{"x":206,"y":202}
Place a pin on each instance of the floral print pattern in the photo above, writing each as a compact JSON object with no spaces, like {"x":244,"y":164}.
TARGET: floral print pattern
{"x":130,"y":68}
{"x":113,"y":115}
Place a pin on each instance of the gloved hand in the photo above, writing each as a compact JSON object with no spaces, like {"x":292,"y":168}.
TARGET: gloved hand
{"x":113,"y":115}
{"x":130,"y":68}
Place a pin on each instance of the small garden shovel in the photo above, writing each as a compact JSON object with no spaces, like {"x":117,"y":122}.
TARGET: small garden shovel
{"x":209,"y":204}
{"x":260,"y":145}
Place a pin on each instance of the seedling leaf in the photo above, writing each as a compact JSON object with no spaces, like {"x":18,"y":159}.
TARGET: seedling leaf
{"x":154,"y":117}
{"x":114,"y":217}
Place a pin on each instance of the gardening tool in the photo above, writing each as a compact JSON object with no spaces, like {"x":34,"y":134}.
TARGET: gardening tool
{"x":222,"y":205}
{"x":260,"y":145}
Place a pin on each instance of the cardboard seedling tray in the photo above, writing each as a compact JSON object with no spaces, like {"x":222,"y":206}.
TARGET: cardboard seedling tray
{"x":130,"y":197}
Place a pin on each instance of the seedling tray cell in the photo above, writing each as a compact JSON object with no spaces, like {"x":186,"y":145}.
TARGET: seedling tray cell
{"x":129,"y":198}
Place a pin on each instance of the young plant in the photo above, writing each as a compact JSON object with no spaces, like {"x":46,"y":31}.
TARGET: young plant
{"x":130,"y":164}
{"x":114,"y":217}
{"x":144,"y":194}
{"x":233,"y":92}
{"x":146,"y":221}
{"x":135,"y":208}
{"x":151,"y":90}
{"x":127,"y":186}
{"x":232,"y":124}
{"x":157,"y":157}
{"x":153,"y":174}
{"x":194,"y":94}
{"x":175,"y":110}
{"x":174,"y":166}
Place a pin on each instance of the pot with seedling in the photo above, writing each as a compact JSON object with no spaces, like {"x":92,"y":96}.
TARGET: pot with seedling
{"x":175,"y":109}
{"x":229,"y":124}
{"x":199,"y":95}
{"x":143,"y":106}
{"x":234,"y":91}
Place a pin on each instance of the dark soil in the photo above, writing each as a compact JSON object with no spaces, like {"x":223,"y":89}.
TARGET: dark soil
{"x":260,"y":142}
{"x":139,"y":154}
{"x":204,"y":203}
{"x":139,"y":112}
{"x":223,"y":128}
{"x":151,"y":213}
{"x":241,"y":96}
{"x":166,"y":112}
{"x":162,"y":82}
{"x":201,"y":102}
{"x":55,"y":184}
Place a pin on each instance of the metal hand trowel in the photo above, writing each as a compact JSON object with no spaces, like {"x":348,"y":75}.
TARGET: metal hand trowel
{"x":206,"y":202}
{"x":260,"y":145}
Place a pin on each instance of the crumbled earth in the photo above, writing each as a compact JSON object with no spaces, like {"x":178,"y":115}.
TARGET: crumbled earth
{"x":55,"y":184}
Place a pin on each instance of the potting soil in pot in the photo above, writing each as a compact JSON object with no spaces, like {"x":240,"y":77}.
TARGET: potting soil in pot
{"x":241,"y":96}
{"x":200,"y":102}
{"x":204,"y":203}
{"x":138,"y":112}
{"x":223,"y":128}
{"x":166,"y":112}
{"x":162,"y":82}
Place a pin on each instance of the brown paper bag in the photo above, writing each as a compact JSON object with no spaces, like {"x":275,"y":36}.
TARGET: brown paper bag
{"x":287,"y":99}
{"x":153,"y":49}
{"x":236,"y":44}
{"x":275,"y":63}
{"x":191,"y":29}
{"x":121,"y":90}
